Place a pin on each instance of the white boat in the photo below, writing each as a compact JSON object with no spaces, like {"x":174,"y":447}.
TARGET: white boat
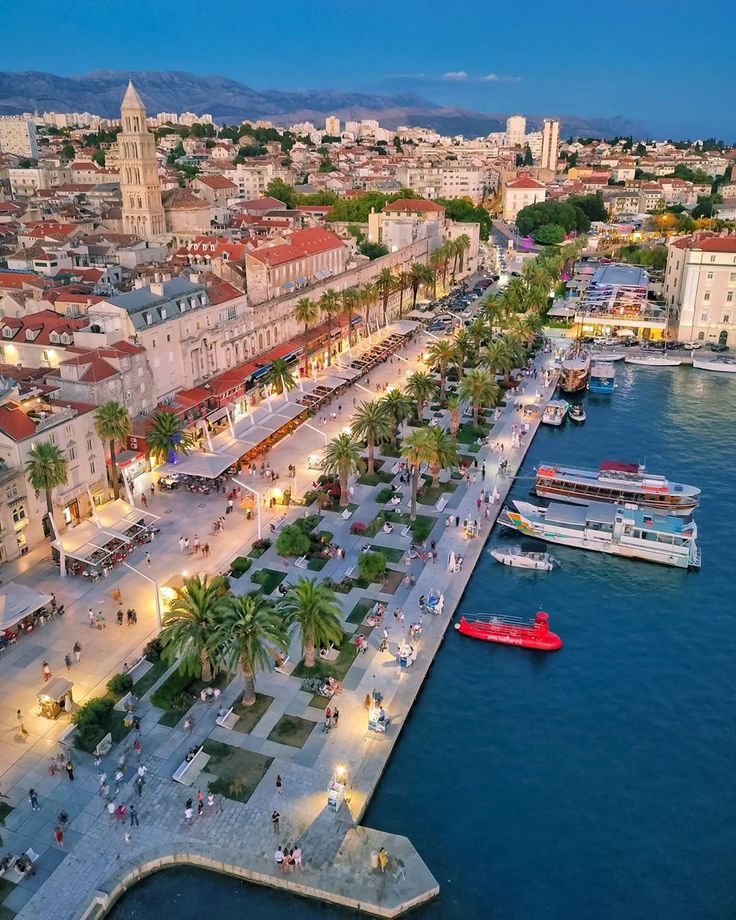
{"x":620,"y":530}
{"x":577,"y":414}
{"x":724,"y":365}
{"x":653,"y":360}
{"x":515,"y":555}
{"x":604,"y":357}
{"x":555,"y":412}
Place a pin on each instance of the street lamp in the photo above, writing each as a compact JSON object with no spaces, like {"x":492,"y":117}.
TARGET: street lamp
{"x":156,"y":589}
{"x":258,"y":503}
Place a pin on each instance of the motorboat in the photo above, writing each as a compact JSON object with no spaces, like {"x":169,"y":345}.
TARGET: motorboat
{"x":614,"y":529}
{"x":606,"y":357}
{"x":724,"y":365}
{"x":577,"y":414}
{"x":653,"y":360}
{"x":511,"y":631}
{"x":555,"y":412}
{"x":516,"y":556}
{"x":574,"y":370}
{"x":602,"y":377}
{"x":616,"y":482}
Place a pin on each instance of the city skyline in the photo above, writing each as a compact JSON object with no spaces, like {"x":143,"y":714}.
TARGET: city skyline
{"x":514,"y":68}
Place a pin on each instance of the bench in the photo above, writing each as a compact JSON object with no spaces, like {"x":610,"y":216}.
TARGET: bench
{"x":140,"y":668}
{"x":275,"y":526}
{"x":406,"y":532}
{"x":347,"y":513}
{"x":441,"y":503}
{"x":15,"y":875}
{"x":301,"y":562}
{"x":103,"y":746}
{"x":227,"y":719}
{"x":188,"y":771}
{"x":65,"y":737}
{"x":350,"y":571}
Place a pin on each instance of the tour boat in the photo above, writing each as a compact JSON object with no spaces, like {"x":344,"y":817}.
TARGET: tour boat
{"x":511,"y":631}
{"x":555,"y":412}
{"x":602,"y":376}
{"x":615,"y":482}
{"x":724,"y":365}
{"x":574,"y":371}
{"x":577,"y":413}
{"x":653,"y":360}
{"x":618,"y":530}
{"x":515,"y":555}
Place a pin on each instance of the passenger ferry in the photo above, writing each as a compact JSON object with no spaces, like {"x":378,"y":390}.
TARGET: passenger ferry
{"x":618,"y":530}
{"x":575,"y":370}
{"x":616,"y":482}
{"x":602,"y":377}
{"x":555,"y":412}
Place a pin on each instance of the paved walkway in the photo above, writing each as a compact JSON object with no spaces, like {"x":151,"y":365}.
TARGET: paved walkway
{"x":337,"y":854}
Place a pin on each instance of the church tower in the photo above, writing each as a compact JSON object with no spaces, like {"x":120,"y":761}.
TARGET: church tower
{"x":143,"y":212}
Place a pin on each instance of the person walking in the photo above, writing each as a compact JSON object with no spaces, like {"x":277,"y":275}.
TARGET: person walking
{"x":33,"y":799}
{"x":188,"y":813}
{"x":133,"y":812}
{"x":335,"y":716}
{"x":181,"y":544}
{"x":68,"y":661}
{"x":279,"y":784}
{"x":275,"y":819}
{"x":46,"y":671}
{"x":148,"y":560}
{"x":210,"y":802}
{"x":70,"y":770}
{"x":77,"y":649}
{"x":139,"y":783}
{"x":59,"y":836}
{"x":91,"y":615}
{"x":21,"y":727}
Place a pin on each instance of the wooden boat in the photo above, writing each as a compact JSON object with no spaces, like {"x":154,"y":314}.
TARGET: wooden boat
{"x":515,"y":555}
{"x":511,"y":631}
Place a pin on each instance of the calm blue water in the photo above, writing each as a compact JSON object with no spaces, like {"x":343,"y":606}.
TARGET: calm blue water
{"x":595,"y":782}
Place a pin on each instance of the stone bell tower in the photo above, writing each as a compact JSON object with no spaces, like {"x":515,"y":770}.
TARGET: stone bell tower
{"x":143,"y":212}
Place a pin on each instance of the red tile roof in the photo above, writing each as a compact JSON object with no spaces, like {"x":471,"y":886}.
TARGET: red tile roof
{"x":713,"y":244}
{"x":43,"y":323}
{"x":413,"y":205}
{"x":524,"y":182}
{"x":302,"y":243}
{"x":216,"y":182}
{"x":16,"y":280}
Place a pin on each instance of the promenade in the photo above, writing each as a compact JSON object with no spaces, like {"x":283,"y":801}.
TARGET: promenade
{"x":97,"y":861}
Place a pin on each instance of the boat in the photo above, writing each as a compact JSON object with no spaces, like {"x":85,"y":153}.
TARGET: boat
{"x":724,"y":365}
{"x":511,"y":631}
{"x":653,"y":360}
{"x":606,"y":357}
{"x":615,"y":482}
{"x":602,"y":377}
{"x":516,"y":556}
{"x":574,"y":370}
{"x":577,"y":413}
{"x":620,"y":530}
{"x":555,"y":412}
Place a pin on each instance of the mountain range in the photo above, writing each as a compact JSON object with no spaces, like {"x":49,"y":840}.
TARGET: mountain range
{"x":228,"y":101}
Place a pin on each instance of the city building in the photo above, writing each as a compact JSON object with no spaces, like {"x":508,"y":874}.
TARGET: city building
{"x":613,"y":297}
{"x":520,"y":193}
{"x":515,"y":130}
{"x":292,"y":261}
{"x":251,"y":179}
{"x":143,"y":210}
{"x":405,"y":221}
{"x":550,"y":144}
{"x":18,"y":136}
{"x":332,"y":126}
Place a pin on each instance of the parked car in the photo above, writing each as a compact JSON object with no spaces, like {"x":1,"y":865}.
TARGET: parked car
{"x":718,"y":347}
{"x":691,"y":346}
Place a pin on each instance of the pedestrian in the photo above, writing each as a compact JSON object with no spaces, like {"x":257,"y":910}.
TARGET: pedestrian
{"x":279,"y":859}
{"x":188,"y":725}
{"x":100,"y":621}
{"x":148,"y":559}
{"x":382,"y":859}
{"x":63,"y":818}
{"x":200,"y":806}
{"x":133,"y":812}
{"x":275,"y":818}
{"x":70,"y":770}
{"x":186,"y":546}
{"x":335,"y":716}
{"x":126,"y":835}
{"x":46,"y":671}
{"x":188,"y":811}
{"x":196,"y":544}
{"x":21,"y":727}
{"x":68,"y":660}
{"x":91,"y":615}
{"x":137,"y":747}
{"x":33,"y":798}
{"x":77,"y":651}
{"x":152,"y":490}
{"x":181,"y":544}
{"x":111,"y":808}
{"x":59,"y":836}
{"x":120,"y":617}
{"x":400,"y":874}
{"x":457,"y":520}
{"x":279,"y":784}
{"x":296,"y":855}
{"x":144,"y":499}
{"x":210,"y":802}
{"x":139,"y":782}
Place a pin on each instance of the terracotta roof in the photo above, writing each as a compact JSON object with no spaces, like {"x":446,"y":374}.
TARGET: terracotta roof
{"x":261,"y":204}
{"x":216,"y":182}
{"x":414,"y":204}
{"x":15,"y":423}
{"x":43,"y":323}
{"x":183,"y":199}
{"x":713,"y":244}
{"x":218,"y":291}
{"x":16,"y":280}
{"x":301,"y":243}
{"x":524,"y":182}
{"x":97,"y":368}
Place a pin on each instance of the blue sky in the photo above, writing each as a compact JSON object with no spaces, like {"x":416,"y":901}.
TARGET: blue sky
{"x":668,"y":65}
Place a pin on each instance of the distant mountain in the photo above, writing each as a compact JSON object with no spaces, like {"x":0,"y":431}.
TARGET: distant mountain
{"x":101,"y":92}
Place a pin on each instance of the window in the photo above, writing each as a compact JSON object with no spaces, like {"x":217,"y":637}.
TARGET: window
{"x":91,"y":468}
{"x":709,"y":276}
{"x":729,"y":297}
{"x":68,"y":431}
{"x":712,"y":258}
{"x":72,"y":453}
{"x":703,"y":317}
{"x":19,"y":514}
{"x":726,"y":317}
{"x":701,"y":336}
{"x":732,"y":276}
{"x":706,"y":297}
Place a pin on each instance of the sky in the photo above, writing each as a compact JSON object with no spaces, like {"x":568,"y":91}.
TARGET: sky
{"x":668,"y":66}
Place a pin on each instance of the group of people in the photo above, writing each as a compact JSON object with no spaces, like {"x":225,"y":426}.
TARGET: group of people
{"x":288,"y":859}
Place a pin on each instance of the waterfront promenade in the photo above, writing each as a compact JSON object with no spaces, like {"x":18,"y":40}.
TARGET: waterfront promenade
{"x":97,"y":859}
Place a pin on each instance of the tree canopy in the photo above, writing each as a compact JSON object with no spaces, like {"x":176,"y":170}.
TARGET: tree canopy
{"x":548,"y":234}
{"x":568,"y":216}
{"x":464,"y":211}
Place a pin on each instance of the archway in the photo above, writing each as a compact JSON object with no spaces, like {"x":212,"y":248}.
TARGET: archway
{"x":723,"y":337}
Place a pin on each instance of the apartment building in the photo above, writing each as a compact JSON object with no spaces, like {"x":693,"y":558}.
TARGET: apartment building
{"x":18,"y":136}
{"x":292,"y":261}
{"x":515,"y":130}
{"x":251,"y":179}
{"x":550,"y":144}
{"x":119,"y":372}
{"x":519,"y":194}
{"x":700,"y":288}
{"x":38,"y":339}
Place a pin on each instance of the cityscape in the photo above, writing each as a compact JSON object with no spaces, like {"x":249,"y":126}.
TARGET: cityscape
{"x":299,"y":403}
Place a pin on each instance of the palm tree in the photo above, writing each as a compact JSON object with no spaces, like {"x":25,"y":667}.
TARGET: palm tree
{"x":421,"y":387}
{"x":350,"y":299}
{"x":415,"y":451}
{"x":454,"y":407}
{"x":499,"y":359}
{"x":306,"y":311}
{"x":516,"y":296}
{"x":442,"y":355}
{"x":342,"y":458}
{"x":516,"y":347}
{"x":417,"y":276}
{"x":441,"y":452}
{"x":250,"y":629}
{"x":329,"y":305}
{"x":367,"y":294}
{"x":311,"y":608}
{"x":112,"y":423}
{"x":494,"y":312}
{"x":446,"y":256}
{"x":399,"y":407}
{"x":46,"y":469}
{"x":454,"y":251}
{"x":464,"y":347}
{"x":371,"y":423}
{"x":478,"y":332}
{"x":403,"y":282}
{"x":437,"y":260}
{"x":191,"y":629}
{"x":280,"y":376}
{"x":385,"y":284}
{"x":480,"y":389}
{"x":463,"y":245}
{"x":535,"y":275}
{"x":167,"y":436}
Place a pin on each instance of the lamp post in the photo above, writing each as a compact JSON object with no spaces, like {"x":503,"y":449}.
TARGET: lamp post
{"x":156,"y":589}
{"x":258,"y":503}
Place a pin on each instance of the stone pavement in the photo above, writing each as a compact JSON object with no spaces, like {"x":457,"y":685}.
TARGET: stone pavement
{"x":337,"y":853}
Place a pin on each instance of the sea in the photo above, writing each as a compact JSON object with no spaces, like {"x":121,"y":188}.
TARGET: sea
{"x":596,"y":782}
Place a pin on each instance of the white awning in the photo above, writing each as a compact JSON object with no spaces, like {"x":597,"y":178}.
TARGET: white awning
{"x":199,"y":463}
{"x":19,"y":601}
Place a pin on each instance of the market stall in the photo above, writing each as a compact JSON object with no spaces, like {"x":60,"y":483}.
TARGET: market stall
{"x":55,"y":697}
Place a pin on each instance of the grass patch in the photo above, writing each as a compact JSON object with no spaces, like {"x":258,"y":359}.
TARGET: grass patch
{"x":150,"y":677}
{"x":325,"y":536}
{"x":238,"y":772}
{"x":432,"y":494}
{"x":5,"y":888}
{"x":357,"y":615}
{"x":178,"y":692}
{"x":250,"y":716}
{"x":392,"y":581}
{"x":318,"y":701}
{"x":388,"y":450}
{"x":374,"y":479}
{"x":291,"y":730}
{"x":5,"y":810}
{"x":317,"y":563}
{"x":324,"y":669}
{"x":240,"y":565}
{"x":268,"y":579}
{"x":474,"y":448}
{"x":392,"y":553}
{"x":421,"y":528}
{"x":384,"y":496}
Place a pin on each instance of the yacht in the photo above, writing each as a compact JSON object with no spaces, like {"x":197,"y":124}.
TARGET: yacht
{"x":575,"y":369}
{"x":663,"y":360}
{"x":555,"y":412}
{"x":615,"y":482}
{"x":602,"y":377}
{"x":724,"y":365}
{"x":620,"y":530}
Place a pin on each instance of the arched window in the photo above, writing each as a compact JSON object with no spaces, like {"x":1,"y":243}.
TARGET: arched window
{"x":260,"y":341}
{"x":268,"y":336}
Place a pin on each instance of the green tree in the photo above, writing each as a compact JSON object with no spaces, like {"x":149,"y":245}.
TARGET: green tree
{"x":112,"y":423}
{"x":548,"y":234}
{"x":421,"y":388}
{"x":98,"y":157}
{"x":46,"y":469}
{"x":399,"y":407}
{"x":191,"y":627}
{"x":372,"y":424}
{"x":280,"y":376}
{"x":463,"y":348}
{"x":307,"y":312}
{"x":68,"y":152}
{"x":414,"y":449}
{"x":167,"y":436}
{"x":278,"y":189}
{"x":592,"y":206}
{"x":330,"y":306}
{"x":311,"y":608}
{"x":462,"y":244}
{"x":528,"y":158}
{"x":479,"y":388}
{"x":442,"y":354}
{"x":463,"y":210}
{"x":418,"y":276}
{"x":372,"y":566}
{"x":385,"y":284}
{"x":441,"y":451}
{"x":454,"y":407}
{"x":372,"y":250}
{"x":403,"y":282}
{"x":368,"y":294}
{"x":341,"y":458}
{"x":350,"y":299}
{"x":292,"y":541}
{"x":498,"y":359}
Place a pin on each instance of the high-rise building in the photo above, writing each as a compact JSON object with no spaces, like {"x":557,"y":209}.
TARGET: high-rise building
{"x":140,"y":188}
{"x":515,"y":130}
{"x":18,"y":136}
{"x":332,"y":126}
{"x":550,"y":144}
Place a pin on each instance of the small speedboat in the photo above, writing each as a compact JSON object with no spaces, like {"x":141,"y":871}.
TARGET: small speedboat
{"x":653,"y":361}
{"x":515,"y":555}
{"x":577,"y":413}
{"x":511,"y":631}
